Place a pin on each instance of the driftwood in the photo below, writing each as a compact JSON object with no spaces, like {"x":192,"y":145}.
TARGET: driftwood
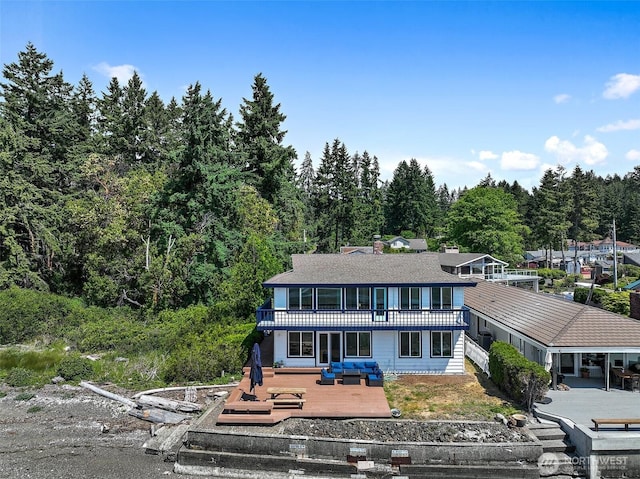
{"x":108,"y":394}
{"x":168,"y":404}
{"x":158,"y":415}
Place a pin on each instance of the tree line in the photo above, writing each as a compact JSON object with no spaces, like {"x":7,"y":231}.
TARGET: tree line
{"x":122,"y":199}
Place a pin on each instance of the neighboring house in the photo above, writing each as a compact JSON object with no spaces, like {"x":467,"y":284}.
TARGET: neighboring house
{"x":551,"y":330}
{"x":356,"y":250}
{"x":485,"y":266}
{"x":400,"y":310}
{"x":631,"y":258}
{"x":418,"y":245}
{"x":602,"y":246}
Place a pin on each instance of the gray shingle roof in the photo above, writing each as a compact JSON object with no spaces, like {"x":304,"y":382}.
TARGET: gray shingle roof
{"x":374,"y":270}
{"x":458,"y":259}
{"x":550,"y":320}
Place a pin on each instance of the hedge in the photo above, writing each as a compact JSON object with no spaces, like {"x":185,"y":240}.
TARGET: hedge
{"x":523,"y":380}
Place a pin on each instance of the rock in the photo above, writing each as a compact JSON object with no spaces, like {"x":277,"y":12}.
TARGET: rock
{"x":58,"y":379}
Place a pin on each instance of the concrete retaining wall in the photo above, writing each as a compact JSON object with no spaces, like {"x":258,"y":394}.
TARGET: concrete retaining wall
{"x":606,"y":454}
{"x":313,"y":447}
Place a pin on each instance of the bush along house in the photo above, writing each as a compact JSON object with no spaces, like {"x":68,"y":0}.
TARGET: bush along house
{"x":400,"y":310}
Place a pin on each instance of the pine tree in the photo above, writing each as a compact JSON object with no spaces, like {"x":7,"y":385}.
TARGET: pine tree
{"x":260,"y":138}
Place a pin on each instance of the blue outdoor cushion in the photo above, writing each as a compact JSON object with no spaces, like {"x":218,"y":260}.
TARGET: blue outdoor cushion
{"x":358,"y":366}
{"x":327,"y":374}
{"x":349,"y":365}
{"x":336,"y":367}
{"x":370,"y":364}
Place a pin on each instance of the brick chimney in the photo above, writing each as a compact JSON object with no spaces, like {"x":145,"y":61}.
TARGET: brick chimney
{"x":377,"y":245}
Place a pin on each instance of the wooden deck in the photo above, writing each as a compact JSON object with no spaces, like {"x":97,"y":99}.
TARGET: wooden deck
{"x":336,"y":401}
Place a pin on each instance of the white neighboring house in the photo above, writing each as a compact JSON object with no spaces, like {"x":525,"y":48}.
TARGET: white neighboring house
{"x":400,"y":310}
{"x":553,"y":331}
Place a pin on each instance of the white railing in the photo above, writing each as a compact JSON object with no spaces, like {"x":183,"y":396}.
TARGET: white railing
{"x":478,"y":355}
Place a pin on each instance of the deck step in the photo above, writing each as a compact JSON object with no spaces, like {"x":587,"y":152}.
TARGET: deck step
{"x":248,"y":419}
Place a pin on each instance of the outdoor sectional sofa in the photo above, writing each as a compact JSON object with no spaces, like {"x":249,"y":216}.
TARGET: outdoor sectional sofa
{"x":369,"y":370}
{"x":365,"y":367}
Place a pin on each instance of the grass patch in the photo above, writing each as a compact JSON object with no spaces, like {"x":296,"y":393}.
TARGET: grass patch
{"x":471,"y":396}
{"x":34,"y":409}
{"x":24,"y":397}
{"x":3,"y":394}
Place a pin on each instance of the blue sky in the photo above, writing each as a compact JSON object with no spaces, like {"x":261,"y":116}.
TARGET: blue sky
{"x":467,"y":88}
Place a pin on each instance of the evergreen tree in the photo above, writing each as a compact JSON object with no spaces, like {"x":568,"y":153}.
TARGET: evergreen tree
{"x":260,"y":138}
{"x":584,"y":201}
{"x":38,"y":130}
{"x":550,"y":214}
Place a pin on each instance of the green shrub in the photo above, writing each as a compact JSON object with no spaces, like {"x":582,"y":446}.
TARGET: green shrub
{"x":20,"y":377}
{"x":74,"y":368}
{"x":34,"y":409}
{"x":521,"y":379}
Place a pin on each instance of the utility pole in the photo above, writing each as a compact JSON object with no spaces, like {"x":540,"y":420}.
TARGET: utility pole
{"x":615,"y":258}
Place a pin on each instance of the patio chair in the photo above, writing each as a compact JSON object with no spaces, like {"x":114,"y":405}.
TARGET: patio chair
{"x":327,"y":378}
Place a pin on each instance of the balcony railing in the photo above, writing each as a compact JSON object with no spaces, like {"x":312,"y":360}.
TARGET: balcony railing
{"x":356,"y":320}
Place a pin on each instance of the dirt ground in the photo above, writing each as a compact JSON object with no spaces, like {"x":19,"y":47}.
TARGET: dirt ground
{"x":69,"y":432}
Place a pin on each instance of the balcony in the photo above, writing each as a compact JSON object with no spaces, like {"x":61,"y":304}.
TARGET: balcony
{"x":357,"y":320}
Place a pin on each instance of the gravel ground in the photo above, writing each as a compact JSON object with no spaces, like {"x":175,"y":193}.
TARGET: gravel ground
{"x":59,"y":434}
{"x":69,"y":432}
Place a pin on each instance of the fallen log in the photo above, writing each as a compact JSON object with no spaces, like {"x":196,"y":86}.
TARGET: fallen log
{"x":168,"y":404}
{"x":158,"y":416}
{"x":108,"y":394}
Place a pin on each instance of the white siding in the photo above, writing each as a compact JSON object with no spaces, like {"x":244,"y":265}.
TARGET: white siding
{"x":385,"y":352}
{"x":279,"y":298}
{"x":280,"y":352}
{"x":393,"y":301}
{"x":458,"y":297}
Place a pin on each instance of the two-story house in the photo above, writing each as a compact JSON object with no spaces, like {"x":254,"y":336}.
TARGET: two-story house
{"x":402,"y":311}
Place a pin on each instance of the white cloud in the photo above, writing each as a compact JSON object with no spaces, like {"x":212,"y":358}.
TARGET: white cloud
{"x":562,"y":98}
{"x":476,"y":166}
{"x":518,"y":160}
{"x":633,"y":155}
{"x":122,"y":72}
{"x":592,"y":153}
{"x":487,"y":155}
{"x":621,"y":125}
{"x":621,"y":85}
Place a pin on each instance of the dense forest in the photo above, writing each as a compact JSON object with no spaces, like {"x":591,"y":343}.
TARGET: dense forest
{"x":122,"y":199}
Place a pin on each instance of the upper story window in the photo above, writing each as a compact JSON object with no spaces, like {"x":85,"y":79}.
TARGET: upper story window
{"x":442,"y":298}
{"x":329,"y":298}
{"x":409,"y":298}
{"x":300,"y":298}
{"x":357,"y":298}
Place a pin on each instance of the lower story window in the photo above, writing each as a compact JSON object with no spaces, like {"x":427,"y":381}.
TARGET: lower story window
{"x":410,"y":344}
{"x":441,"y":344}
{"x":301,"y":344}
{"x":358,"y":343}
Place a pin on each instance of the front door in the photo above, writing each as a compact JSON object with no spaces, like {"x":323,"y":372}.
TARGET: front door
{"x":379,"y":304}
{"x":330,"y":347}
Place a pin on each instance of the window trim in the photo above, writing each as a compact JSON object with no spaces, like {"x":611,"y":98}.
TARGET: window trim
{"x":339,"y":297}
{"x":410,"y":298}
{"x":441,"y":334}
{"x":300,"y":337}
{"x":441,"y":304}
{"x":301,"y":306}
{"x":410,"y":333}
{"x":358,"y":333}
{"x":358,"y":301}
